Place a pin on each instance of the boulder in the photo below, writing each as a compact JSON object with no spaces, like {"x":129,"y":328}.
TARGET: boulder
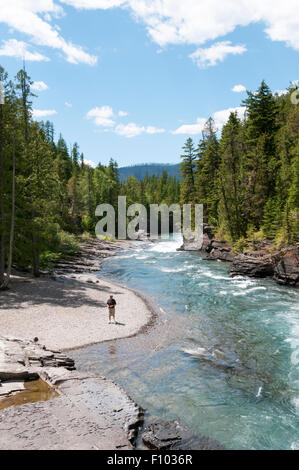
{"x":287,"y":270}
{"x":22,"y":360}
{"x":219,"y":250}
{"x":252,"y":266}
{"x":174,"y":435}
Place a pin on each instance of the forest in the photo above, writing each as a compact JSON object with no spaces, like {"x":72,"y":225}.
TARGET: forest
{"x":247,"y":179}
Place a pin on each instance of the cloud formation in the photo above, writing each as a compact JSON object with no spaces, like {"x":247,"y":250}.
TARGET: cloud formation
{"x":19,"y":49}
{"x":33,"y":19}
{"x":210,"y":56}
{"x":105,"y":117}
{"x":133,"y":130}
{"x":198,"y":21}
{"x":239,"y":89}
{"x":39,"y":86}
{"x":220,"y":118}
{"x":40,"y":113}
{"x":191,"y":22}
{"x":102,"y":116}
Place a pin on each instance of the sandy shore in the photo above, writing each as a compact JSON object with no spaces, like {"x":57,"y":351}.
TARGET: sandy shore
{"x":69,"y":313}
{"x":67,"y":310}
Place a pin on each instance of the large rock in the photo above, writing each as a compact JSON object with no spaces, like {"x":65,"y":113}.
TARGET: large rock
{"x":89,"y":412}
{"x":22,"y":360}
{"x":287,"y":270}
{"x":219,"y":250}
{"x":162,"y":435}
{"x":252,"y":266}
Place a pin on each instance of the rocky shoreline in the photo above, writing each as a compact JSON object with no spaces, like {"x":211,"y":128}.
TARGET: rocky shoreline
{"x":264,"y":260}
{"x":90,"y":412}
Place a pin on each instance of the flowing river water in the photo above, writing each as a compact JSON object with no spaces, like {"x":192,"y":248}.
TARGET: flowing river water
{"x":222,"y":356}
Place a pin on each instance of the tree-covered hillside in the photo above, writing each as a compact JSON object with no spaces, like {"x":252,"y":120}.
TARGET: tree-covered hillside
{"x":148,"y":169}
{"x":248,"y":180}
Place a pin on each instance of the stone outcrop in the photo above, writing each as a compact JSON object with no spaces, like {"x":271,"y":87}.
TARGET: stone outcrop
{"x":88,"y":259}
{"x":90,"y":412}
{"x":219,"y":250}
{"x":174,"y":435}
{"x":287,"y":269}
{"x":252,"y":266}
{"x":23,"y":360}
{"x":281,"y":265}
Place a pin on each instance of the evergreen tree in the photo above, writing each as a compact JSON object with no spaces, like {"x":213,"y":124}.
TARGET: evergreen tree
{"x":187,"y":170}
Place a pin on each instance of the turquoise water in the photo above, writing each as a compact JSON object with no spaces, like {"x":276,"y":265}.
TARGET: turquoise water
{"x":226,"y":362}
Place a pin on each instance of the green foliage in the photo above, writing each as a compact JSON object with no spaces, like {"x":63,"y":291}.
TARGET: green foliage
{"x":240,"y":246}
{"x":248,"y":180}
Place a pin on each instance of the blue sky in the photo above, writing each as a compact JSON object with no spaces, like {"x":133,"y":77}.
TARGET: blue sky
{"x":132,"y":79}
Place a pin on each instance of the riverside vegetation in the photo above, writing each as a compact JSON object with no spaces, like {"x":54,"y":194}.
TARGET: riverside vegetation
{"x":248,"y":180}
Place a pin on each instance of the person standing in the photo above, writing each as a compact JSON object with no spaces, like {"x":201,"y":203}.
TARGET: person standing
{"x":111,"y":308}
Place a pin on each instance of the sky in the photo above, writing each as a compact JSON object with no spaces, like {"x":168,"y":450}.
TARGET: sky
{"x":133,"y":79}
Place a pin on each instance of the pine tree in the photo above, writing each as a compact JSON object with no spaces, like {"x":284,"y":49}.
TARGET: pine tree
{"x":187,"y":170}
{"x":230,"y":178}
{"x":207,"y":171}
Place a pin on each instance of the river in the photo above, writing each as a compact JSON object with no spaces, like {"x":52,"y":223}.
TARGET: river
{"x":223,"y":356}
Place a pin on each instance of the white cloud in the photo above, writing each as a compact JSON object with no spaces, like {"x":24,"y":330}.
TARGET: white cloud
{"x":39,"y":86}
{"x":239,"y":88}
{"x":94,"y":4}
{"x":191,"y":22}
{"x":104,"y":117}
{"x":67,"y":104}
{"x":195,"y":22}
{"x":154,"y":130}
{"x":90,"y":163}
{"x":210,"y":56}
{"x":129,"y":130}
{"x":40,"y":113}
{"x":24,"y":16}
{"x":101,"y":116}
{"x":133,"y":130}
{"x":220,"y":118}
{"x":191,"y":129}
{"x":19,"y":49}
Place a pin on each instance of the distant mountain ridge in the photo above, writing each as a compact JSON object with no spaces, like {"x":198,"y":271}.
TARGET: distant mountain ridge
{"x":150,"y":169}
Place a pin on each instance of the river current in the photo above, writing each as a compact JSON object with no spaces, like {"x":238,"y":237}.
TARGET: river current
{"x":223,"y":356}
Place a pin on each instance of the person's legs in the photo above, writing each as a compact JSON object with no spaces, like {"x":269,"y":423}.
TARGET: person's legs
{"x":111,"y":314}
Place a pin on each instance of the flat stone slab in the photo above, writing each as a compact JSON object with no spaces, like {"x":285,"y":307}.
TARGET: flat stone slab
{"x":90,"y":412}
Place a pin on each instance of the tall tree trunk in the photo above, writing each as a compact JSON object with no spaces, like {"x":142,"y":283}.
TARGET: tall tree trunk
{"x":2,"y":182}
{"x":12,"y":223}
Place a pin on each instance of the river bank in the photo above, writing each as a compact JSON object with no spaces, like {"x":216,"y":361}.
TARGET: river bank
{"x":259,"y":259}
{"x":222,"y":355}
{"x":66,"y":309}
